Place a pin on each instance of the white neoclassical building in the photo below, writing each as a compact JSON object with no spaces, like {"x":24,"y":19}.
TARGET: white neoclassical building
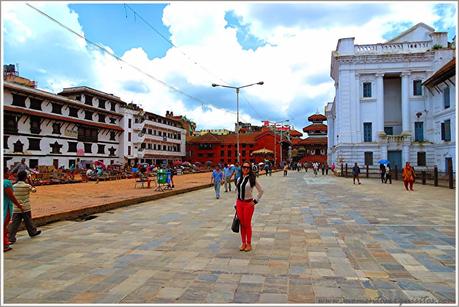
{"x":383,"y":109}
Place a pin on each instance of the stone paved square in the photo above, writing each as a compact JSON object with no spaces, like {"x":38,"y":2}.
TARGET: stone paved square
{"x":314,"y":238}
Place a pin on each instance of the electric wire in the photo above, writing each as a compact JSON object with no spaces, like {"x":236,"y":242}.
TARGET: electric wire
{"x":187,"y":56}
{"x":172,"y":88}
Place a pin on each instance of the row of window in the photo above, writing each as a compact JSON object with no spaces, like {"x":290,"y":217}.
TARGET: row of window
{"x":85,"y":133}
{"x":88,"y":100}
{"x":211,"y":146}
{"x":367,"y":89}
{"x":173,"y":148}
{"x":418,"y":131}
{"x":158,"y":120}
{"x":34,"y":144}
{"x":175,"y":136}
{"x":56,"y":108}
{"x":229,"y":153}
{"x":417,"y":91}
{"x":421,"y":158}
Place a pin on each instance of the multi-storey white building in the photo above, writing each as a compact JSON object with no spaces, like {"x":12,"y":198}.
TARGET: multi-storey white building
{"x":81,"y":122}
{"x":49,"y":129}
{"x":157,"y":139}
{"x":381,"y":109}
{"x":441,"y":96}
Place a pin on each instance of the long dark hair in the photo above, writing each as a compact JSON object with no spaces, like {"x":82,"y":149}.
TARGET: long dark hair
{"x":252,"y":177}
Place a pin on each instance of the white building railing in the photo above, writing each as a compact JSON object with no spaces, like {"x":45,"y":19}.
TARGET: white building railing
{"x":407,"y":47}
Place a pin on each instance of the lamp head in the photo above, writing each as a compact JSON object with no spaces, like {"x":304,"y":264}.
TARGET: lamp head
{"x":260,"y":83}
{"x":214,"y":85}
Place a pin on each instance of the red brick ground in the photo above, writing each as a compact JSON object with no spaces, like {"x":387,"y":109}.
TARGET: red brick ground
{"x":56,"y":199}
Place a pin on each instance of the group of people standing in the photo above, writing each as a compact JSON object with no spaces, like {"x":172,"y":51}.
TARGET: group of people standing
{"x":386,"y":173}
{"x":225,"y":176}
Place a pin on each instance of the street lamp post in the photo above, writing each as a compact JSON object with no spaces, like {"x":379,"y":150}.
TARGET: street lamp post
{"x":237,"y":88}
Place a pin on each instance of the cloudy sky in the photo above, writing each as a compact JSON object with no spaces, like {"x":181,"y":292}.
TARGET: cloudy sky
{"x":172,"y":52}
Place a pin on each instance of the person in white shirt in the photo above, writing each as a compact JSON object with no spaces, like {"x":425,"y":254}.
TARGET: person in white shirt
{"x":245,"y":204}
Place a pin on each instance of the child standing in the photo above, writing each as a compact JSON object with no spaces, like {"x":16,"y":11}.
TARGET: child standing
{"x":21,"y":192}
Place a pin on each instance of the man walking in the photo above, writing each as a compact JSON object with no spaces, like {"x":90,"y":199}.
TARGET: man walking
{"x":216,"y":180}
{"x":228,"y":173}
{"x":20,"y":167}
{"x":356,"y":172}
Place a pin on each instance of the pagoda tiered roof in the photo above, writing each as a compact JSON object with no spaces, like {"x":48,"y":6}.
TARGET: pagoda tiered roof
{"x":314,"y":140}
{"x":317,"y":118}
{"x":315,"y":127}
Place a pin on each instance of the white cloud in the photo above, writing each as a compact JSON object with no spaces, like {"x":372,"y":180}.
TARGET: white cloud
{"x":288,"y":65}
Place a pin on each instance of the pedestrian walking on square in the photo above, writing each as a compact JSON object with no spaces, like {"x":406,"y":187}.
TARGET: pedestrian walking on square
{"x":382,"y":172}
{"x":388,"y":174}
{"x":173,"y":172}
{"x":285,"y":169}
{"x":408,"y":176}
{"x":20,"y":167}
{"x":245,"y":204}
{"x":355,"y":173}
{"x":255,"y":169}
{"x":8,"y":200}
{"x":216,"y":179}
{"x":228,"y":173}
{"x":323,"y":169}
{"x":266,"y":168}
{"x":21,"y":192}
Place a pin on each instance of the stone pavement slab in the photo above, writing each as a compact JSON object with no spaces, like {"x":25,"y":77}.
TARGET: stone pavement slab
{"x":315,"y":240}
{"x":56,"y":202}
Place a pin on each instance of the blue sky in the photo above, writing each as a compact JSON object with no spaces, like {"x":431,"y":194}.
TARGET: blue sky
{"x":287,"y":46}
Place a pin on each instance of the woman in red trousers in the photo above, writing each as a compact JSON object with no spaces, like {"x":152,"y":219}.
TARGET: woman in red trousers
{"x":245,"y":204}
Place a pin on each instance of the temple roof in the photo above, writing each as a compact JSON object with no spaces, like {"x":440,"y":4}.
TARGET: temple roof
{"x":317,"y":117}
{"x":295,"y":133}
{"x":311,"y":140}
{"x":315,"y":127}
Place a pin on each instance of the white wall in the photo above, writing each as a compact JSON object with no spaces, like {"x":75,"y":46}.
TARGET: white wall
{"x":69,"y":133}
{"x":417,"y":35}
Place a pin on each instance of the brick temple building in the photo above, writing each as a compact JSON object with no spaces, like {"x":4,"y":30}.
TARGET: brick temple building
{"x":223,"y":148}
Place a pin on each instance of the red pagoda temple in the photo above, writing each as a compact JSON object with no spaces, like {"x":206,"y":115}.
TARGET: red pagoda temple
{"x":314,"y":147}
